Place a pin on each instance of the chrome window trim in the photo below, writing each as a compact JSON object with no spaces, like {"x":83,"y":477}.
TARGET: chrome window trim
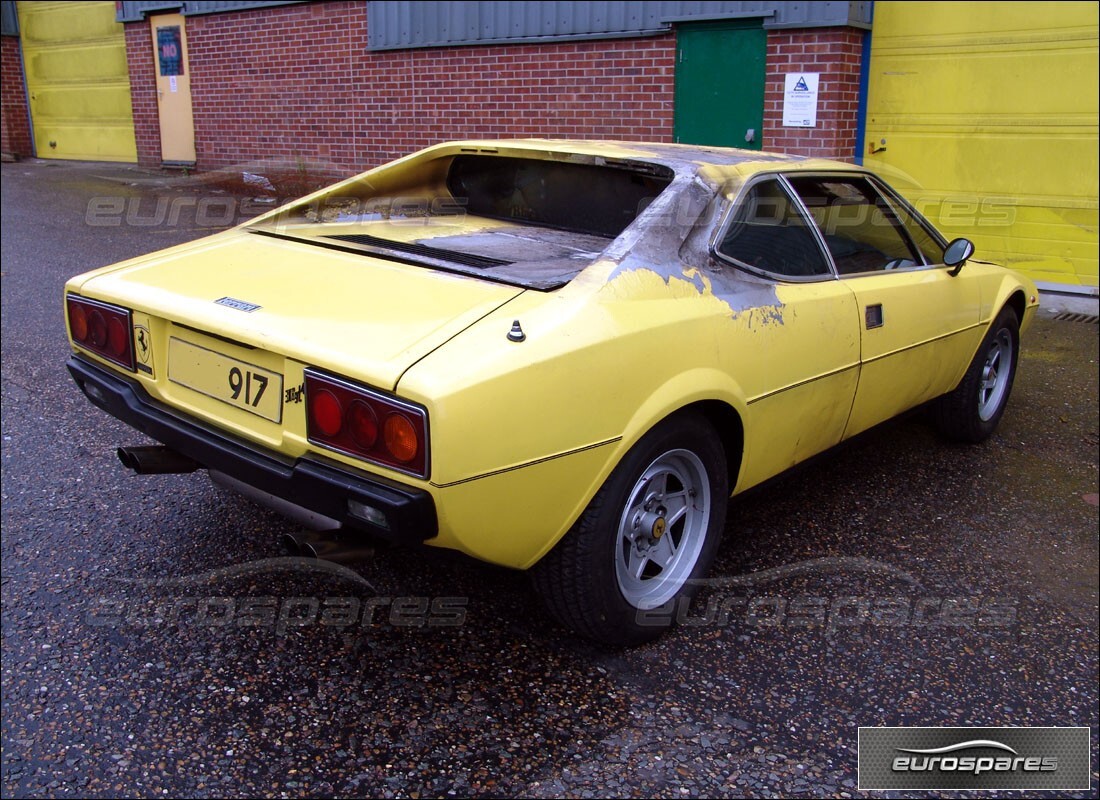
{"x":918,"y":218}
{"x":799,"y":207}
{"x":878,"y":185}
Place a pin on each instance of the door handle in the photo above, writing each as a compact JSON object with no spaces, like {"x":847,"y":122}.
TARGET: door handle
{"x":874,"y":317}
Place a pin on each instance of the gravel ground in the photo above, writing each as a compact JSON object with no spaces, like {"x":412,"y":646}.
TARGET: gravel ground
{"x":156,"y":642}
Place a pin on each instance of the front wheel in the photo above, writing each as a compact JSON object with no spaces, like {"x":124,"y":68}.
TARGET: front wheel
{"x":971,"y":412}
{"x":639,"y":549}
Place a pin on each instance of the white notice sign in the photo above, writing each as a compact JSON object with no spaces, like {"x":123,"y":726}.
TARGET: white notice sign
{"x":172,"y":85}
{"x":800,"y":100}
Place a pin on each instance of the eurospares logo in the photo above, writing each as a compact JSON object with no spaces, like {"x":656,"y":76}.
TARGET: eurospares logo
{"x":950,"y":759}
{"x":974,"y":758}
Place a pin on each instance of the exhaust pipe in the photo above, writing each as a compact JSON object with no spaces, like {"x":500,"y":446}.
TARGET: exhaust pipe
{"x":156,"y":460}
{"x":291,"y":544}
{"x":325,"y":546}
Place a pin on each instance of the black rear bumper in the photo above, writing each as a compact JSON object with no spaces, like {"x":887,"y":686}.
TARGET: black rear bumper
{"x":321,"y":486}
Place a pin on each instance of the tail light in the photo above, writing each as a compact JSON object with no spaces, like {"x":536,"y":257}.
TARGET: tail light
{"x":104,"y":329}
{"x":367,"y":424}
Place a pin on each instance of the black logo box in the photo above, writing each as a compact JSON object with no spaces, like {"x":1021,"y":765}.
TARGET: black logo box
{"x":1055,"y":759}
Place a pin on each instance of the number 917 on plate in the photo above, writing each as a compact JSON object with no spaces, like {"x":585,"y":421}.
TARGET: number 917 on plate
{"x":237,"y":383}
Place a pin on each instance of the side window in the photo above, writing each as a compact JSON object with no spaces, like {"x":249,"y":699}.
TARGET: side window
{"x":861,"y":230}
{"x":766,"y":232}
{"x":918,"y":231}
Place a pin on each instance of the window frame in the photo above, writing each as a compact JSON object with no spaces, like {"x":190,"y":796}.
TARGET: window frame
{"x":890,"y":194}
{"x":877,"y":183}
{"x":921,"y":221}
{"x":800,"y":208}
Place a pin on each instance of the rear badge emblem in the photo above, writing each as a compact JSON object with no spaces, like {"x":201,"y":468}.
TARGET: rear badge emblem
{"x":240,"y":305}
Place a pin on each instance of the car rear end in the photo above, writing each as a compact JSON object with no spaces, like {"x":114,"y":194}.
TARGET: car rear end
{"x":283,"y":383}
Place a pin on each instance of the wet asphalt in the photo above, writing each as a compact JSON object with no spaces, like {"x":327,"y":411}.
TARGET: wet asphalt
{"x":156,"y":642}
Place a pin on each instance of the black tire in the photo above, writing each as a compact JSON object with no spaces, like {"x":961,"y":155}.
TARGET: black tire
{"x":586,"y":581}
{"x":971,"y":412}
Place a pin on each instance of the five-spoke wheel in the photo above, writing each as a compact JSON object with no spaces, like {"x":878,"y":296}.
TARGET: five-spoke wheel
{"x":638,"y":553}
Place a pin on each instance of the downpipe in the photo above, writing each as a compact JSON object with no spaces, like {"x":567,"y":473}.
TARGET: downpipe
{"x":326,"y":546}
{"x":156,"y":460}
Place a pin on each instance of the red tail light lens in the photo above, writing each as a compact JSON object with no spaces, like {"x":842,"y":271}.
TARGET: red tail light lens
{"x":118,"y":337}
{"x":97,"y":323}
{"x":326,"y":413}
{"x":361,"y":422}
{"x":78,"y":322}
{"x":104,"y":329}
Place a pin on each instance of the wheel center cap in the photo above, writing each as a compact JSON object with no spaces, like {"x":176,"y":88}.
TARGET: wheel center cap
{"x":650,"y":527}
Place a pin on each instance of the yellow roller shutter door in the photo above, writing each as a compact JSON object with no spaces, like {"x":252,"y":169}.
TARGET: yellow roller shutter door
{"x":74,"y":56}
{"x":989,"y":112}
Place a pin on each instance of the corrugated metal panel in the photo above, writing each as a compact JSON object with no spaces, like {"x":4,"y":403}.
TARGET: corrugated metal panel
{"x":136,"y":11}
{"x":9,"y":20}
{"x":439,"y":23}
{"x":986,"y":116}
{"x":74,"y":59}
{"x":192,"y":8}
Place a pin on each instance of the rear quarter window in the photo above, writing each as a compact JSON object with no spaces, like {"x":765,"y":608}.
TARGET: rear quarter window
{"x":766,"y":232}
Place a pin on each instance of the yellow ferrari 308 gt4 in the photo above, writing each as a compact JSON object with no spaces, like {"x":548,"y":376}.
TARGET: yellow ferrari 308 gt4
{"x":561,"y":357}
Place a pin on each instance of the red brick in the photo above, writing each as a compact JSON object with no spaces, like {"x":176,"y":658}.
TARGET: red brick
{"x":15,"y":123}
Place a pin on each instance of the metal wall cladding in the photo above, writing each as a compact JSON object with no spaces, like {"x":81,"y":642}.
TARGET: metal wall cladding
{"x":985,"y":116}
{"x":451,"y":22}
{"x":136,"y":11}
{"x":394,"y":25}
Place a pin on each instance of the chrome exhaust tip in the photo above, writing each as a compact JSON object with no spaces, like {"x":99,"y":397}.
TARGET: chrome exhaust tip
{"x":291,"y":544}
{"x":325,"y":546}
{"x":156,"y":460}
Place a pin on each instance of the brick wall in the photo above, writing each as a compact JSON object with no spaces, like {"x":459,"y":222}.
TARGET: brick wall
{"x":835,"y":53}
{"x":297,"y":83}
{"x":15,"y":124}
{"x":143,"y":92}
{"x":280,"y":83}
{"x":611,"y":89}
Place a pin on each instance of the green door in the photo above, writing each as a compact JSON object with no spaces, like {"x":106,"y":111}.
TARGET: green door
{"x":720,"y":83}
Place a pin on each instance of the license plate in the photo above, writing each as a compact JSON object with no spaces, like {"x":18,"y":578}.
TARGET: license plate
{"x":238,"y":383}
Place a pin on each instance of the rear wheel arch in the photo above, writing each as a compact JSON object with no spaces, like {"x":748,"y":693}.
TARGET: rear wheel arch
{"x":709,"y":392}
{"x":730,"y":428}
{"x":727,"y":423}
{"x":663,"y":507}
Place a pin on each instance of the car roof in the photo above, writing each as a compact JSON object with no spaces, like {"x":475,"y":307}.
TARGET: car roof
{"x":728,"y":160}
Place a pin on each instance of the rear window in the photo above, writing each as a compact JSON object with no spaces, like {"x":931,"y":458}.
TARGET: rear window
{"x":515,"y":219}
{"x":585,"y":198}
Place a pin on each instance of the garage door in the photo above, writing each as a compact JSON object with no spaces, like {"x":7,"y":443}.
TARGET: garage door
{"x":74,"y":57}
{"x":989,"y":112}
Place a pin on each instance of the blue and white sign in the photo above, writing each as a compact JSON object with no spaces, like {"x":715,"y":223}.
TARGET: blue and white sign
{"x":800,"y":100}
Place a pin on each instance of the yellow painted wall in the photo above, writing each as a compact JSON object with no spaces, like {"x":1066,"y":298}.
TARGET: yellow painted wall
{"x":74,"y":57}
{"x":989,"y":115}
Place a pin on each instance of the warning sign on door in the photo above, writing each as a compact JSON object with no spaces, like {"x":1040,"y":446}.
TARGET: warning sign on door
{"x":800,"y":100}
